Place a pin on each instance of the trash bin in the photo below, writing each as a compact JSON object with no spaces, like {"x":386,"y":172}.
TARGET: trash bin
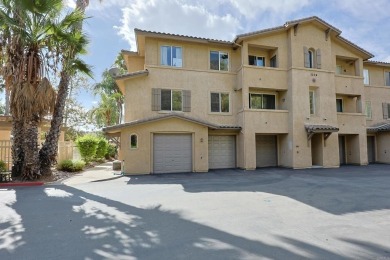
{"x":117,"y":165}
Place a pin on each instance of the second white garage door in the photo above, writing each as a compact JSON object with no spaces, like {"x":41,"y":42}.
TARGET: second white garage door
{"x":222,"y":151}
{"x":172,"y":153}
{"x":266,"y":151}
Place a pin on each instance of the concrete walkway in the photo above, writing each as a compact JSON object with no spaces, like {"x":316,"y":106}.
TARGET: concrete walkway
{"x":98,"y":173}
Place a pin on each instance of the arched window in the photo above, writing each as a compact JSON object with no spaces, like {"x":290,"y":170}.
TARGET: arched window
{"x":311,"y":58}
{"x":133,"y":141}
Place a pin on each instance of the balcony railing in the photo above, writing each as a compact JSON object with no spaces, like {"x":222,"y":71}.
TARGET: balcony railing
{"x":264,"y":77}
{"x":349,"y":85}
{"x":267,"y":121}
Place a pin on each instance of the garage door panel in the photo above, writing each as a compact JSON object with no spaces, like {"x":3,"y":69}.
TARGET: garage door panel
{"x":222,"y":152}
{"x":172,"y":153}
{"x":266,"y":151}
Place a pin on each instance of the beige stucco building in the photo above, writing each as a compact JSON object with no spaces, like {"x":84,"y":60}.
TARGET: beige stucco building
{"x":299,"y":96}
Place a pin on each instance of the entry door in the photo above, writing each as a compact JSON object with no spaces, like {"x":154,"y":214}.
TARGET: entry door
{"x":371,"y":149}
{"x":342,"y":150}
{"x":172,"y":153}
{"x":266,"y":151}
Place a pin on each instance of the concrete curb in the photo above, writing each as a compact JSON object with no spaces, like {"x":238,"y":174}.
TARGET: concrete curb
{"x":22,"y":184}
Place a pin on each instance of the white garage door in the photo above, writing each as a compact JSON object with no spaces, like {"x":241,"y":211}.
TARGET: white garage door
{"x":266,"y":151}
{"x":222,"y":151}
{"x":172,"y":153}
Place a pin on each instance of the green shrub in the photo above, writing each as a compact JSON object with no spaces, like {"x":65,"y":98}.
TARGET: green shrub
{"x":111,"y":151}
{"x":3,"y":166}
{"x":70,"y":166}
{"x":87,"y":145}
{"x":101,"y":148}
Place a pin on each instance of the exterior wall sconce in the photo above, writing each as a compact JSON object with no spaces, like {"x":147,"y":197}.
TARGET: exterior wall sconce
{"x":201,"y":140}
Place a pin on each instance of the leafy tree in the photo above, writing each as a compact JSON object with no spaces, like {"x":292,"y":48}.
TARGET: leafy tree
{"x":37,"y":38}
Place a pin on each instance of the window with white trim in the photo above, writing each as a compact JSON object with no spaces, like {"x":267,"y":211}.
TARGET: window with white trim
{"x":133,"y":141}
{"x":219,"y":102}
{"x":171,"y":100}
{"x":262,"y":101}
{"x":256,"y":61}
{"x":171,"y":56}
{"x":219,"y":60}
{"x":366,"y":77}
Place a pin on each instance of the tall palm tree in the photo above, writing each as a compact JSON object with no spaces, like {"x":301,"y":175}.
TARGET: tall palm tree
{"x":44,"y":41}
{"x":106,"y":113}
{"x":48,"y":152}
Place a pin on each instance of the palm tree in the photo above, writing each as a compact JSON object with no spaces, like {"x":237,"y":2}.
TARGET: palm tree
{"x":106,"y":113}
{"x":43,"y":42}
{"x":48,"y":152}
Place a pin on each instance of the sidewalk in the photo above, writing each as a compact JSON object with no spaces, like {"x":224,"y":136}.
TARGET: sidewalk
{"x":98,"y":173}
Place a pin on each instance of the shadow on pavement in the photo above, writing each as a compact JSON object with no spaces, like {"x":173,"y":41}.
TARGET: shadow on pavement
{"x":62,"y":222}
{"x":348,"y":189}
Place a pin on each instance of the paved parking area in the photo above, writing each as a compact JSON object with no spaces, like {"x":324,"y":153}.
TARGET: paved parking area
{"x":225,"y":214}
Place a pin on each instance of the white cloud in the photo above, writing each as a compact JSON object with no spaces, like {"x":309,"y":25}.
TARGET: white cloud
{"x":175,"y":16}
{"x":255,"y":8}
{"x":70,"y":3}
{"x":365,"y":10}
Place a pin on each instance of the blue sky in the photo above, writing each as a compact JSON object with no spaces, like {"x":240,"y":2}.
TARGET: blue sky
{"x":112,"y":22}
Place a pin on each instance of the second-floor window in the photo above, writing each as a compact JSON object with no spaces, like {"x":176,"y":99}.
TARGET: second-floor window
{"x":339,"y":105}
{"x":366,"y":77}
{"x":219,"y":102}
{"x":256,"y":61}
{"x":387,"y":78}
{"x":312,"y":102}
{"x":219,"y":60}
{"x":368,"y":110}
{"x":171,"y":56}
{"x":261,"y":101}
{"x":171,"y":100}
{"x":386,"y":110}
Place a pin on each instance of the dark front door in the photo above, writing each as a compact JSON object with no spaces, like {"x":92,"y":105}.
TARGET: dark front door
{"x":342,"y":150}
{"x":371,"y":149}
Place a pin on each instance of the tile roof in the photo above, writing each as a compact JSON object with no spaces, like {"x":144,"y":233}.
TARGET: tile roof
{"x":321,"y":128}
{"x":381,"y":127}
{"x":167,"y":116}
{"x":382,"y":63}
{"x":184,"y":36}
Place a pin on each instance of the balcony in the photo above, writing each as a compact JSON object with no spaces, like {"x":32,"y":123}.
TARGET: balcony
{"x":349,"y":85}
{"x":264,"y":77}
{"x":351,"y":123}
{"x":266,"y":121}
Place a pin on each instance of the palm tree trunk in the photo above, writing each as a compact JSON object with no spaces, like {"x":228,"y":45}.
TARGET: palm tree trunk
{"x":30,"y":144}
{"x":49,"y":150}
{"x":17,"y":148}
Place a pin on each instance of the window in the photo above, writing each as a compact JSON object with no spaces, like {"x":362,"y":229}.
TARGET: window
{"x":133,"y":141}
{"x":256,"y":61}
{"x":339,"y":70}
{"x":171,"y":56}
{"x":368,"y":110}
{"x":272,"y":62}
{"x":339,"y":104}
{"x":366,"y":77}
{"x":261,"y":101}
{"x":312,"y":100}
{"x":312,"y":58}
{"x":387,"y":78}
{"x":386,"y":110}
{"x":171,"y":100}
{"x":219,"y":60}
{"x":219,"y":102}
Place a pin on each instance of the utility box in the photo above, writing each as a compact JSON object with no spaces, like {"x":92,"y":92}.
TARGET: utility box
{"x":117,"y":165}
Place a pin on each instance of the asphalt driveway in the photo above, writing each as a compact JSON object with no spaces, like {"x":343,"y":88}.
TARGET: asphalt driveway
{"x":225,"y":214}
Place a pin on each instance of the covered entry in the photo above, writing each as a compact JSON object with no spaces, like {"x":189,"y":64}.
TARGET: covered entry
{"x":172,"y":153}
{"x":222,"y":151}
{"x":316,"y":137}
{"x":266,"y":151}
